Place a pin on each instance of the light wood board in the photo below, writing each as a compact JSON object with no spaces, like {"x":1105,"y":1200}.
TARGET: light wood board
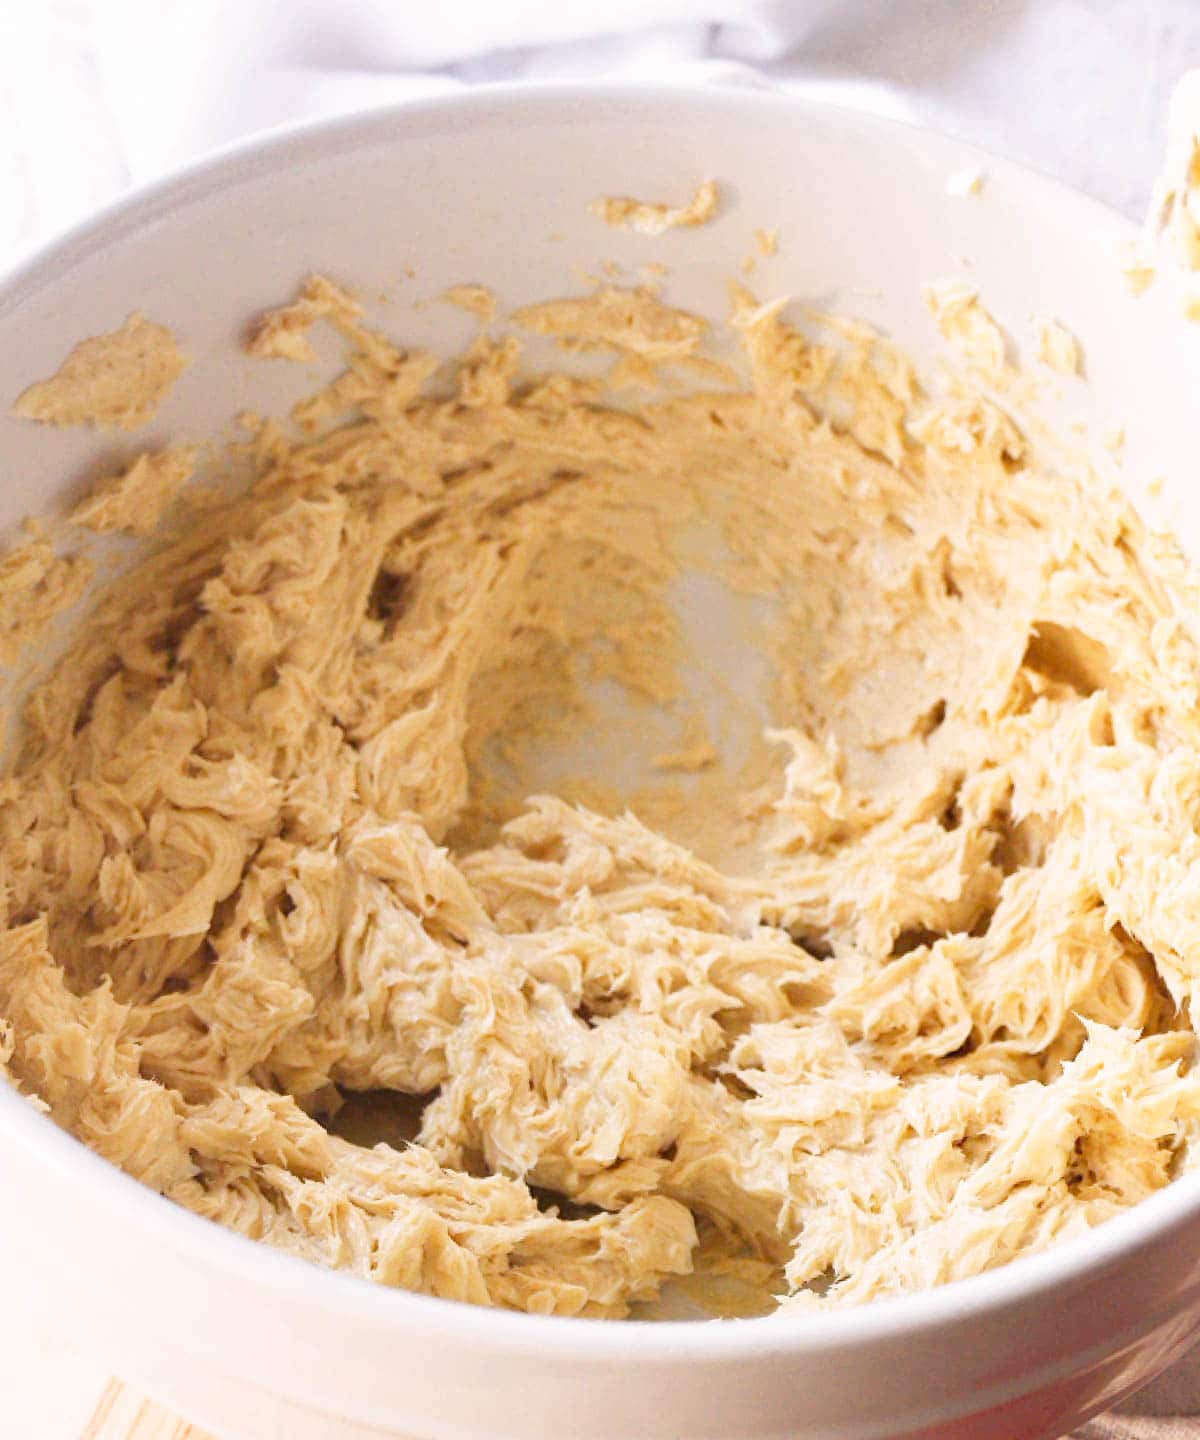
{"x":55,"y":1389}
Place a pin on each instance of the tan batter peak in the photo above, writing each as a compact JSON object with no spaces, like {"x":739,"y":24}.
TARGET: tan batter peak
{"x":635,"y":321}
{"x":135,"y":499}
{"x":35,"y":586}
{"x":282,"y":334}
{"x":475,"y":299}
{"x":1058,"y":348}
{"x":767,"y":242}
{"x":962,"y":319}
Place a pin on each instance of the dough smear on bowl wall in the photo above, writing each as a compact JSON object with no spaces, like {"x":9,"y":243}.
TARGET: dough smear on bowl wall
{"x":853,"y":964}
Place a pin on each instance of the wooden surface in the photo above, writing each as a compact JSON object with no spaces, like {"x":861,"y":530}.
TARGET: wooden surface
{"x":56,"y":1390}
{"x":123,"y":1414}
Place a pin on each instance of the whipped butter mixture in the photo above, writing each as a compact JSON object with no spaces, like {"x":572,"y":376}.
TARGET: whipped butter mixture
{"x":914,"y":998}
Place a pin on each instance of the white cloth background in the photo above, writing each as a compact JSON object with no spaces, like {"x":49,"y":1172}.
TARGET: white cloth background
{"x":96,"y":95}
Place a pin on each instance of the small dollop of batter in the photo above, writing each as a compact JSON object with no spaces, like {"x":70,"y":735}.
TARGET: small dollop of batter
{"x":651,"y":217}
{"x":113,"y":382}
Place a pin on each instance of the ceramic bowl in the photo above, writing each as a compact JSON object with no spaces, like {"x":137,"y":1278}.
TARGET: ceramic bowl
{"x":494,"y":187}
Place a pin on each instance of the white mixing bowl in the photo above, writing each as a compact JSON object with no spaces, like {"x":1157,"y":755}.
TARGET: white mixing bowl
{"x":495,"y":187}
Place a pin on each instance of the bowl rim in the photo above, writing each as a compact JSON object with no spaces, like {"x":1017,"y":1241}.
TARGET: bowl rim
{"x":631,"y":1342}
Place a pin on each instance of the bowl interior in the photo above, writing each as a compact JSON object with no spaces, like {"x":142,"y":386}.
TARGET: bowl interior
{"x":496,"y":190}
